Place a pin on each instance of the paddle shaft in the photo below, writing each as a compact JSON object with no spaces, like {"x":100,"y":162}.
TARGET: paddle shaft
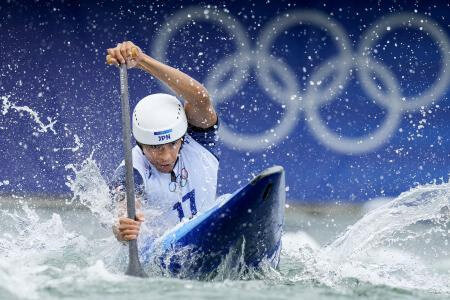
{"x":134,"y":265}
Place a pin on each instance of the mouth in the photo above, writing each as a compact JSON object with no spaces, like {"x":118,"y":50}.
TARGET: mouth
{"x":166,"y":166}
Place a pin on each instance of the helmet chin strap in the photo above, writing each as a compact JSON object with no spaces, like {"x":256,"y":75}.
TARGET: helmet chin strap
{"x":140,"y":146}
{"x":182,"y":143}
{"x":180,"y":180}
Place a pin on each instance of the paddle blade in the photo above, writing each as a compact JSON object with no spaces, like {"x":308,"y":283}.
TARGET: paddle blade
{"x":134,"y":265}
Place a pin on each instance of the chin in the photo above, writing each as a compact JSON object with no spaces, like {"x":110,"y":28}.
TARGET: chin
{"x":167,"y":169}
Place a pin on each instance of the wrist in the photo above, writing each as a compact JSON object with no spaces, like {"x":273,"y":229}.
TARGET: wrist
{"x":144,"y":61}
{"x":150,"y":65}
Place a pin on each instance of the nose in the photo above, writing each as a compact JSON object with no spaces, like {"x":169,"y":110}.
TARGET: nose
{"x":165,"y":154}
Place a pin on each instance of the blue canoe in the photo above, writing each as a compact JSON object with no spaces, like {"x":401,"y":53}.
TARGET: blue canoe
{"x":250,"y":223}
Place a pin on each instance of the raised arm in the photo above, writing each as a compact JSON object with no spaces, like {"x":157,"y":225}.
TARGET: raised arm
{"x":198,"y":106}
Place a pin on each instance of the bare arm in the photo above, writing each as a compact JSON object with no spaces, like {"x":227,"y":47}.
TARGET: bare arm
{"x":198,"y":106}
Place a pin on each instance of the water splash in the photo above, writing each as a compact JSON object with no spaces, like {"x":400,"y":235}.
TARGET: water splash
{"x":233,"y":267}
{"x":41,"y":127}
{"x":188,"y":262}
{"x":399,"y":244}
{"x":77,"y":147}
{"x":90,"y":189}
{"x":390,"y":223}
{"x":39,"y":247}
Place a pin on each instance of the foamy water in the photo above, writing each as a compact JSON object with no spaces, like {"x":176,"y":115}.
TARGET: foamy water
{"x":402,"y":244}
{"x":398,"y":249}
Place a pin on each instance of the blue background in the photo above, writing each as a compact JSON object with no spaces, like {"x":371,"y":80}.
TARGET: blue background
{"x":53,"y":60}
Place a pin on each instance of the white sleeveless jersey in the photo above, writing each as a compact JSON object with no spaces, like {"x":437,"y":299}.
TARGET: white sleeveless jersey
{"x":166,"y":203}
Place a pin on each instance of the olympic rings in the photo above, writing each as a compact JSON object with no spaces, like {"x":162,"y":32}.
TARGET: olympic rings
{"x":422,"y":23}
{"x":195,"y":13}
{"x":261,"y":141}
{"x":267,"y":37}
{"x":290,"y":96}
{"x":361,"y":144}
{"x":179,"y":180}
{"x":172,"y":186}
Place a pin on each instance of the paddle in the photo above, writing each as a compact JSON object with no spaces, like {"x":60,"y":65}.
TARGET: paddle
{"x":134,"y":265}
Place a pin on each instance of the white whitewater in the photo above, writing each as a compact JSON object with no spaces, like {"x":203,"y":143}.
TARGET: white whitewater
{"x":402,"y":244}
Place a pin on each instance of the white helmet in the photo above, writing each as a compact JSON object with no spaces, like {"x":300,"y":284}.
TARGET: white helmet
{"x":159,"y":119}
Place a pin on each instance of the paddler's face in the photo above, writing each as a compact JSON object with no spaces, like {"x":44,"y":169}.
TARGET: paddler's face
{"x":163,"y":157}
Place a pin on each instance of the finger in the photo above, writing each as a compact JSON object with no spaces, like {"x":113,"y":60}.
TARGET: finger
{"x":129,"y":232}
{"x":130,"y":237}
{"x":118,"y":55}
{"x":111,"y":61}
{"x":125,"y":228}
{"x":129,"y":48}
{"x":129,"y":222}
{"x":136,"y":225}
{"x":125,"y":220}
{"x":123,"y":51}
{"x":134,"y":52}
{"x":128,"y":225}
{"x":140,"y":217}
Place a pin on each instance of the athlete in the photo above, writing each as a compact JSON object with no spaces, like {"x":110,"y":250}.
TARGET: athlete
{"x":175,"y":160}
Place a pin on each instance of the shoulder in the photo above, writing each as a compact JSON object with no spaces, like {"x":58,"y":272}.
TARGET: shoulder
{"x":206,"y":137}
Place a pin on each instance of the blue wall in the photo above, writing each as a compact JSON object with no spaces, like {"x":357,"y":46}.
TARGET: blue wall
{"x":350,"y":110}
